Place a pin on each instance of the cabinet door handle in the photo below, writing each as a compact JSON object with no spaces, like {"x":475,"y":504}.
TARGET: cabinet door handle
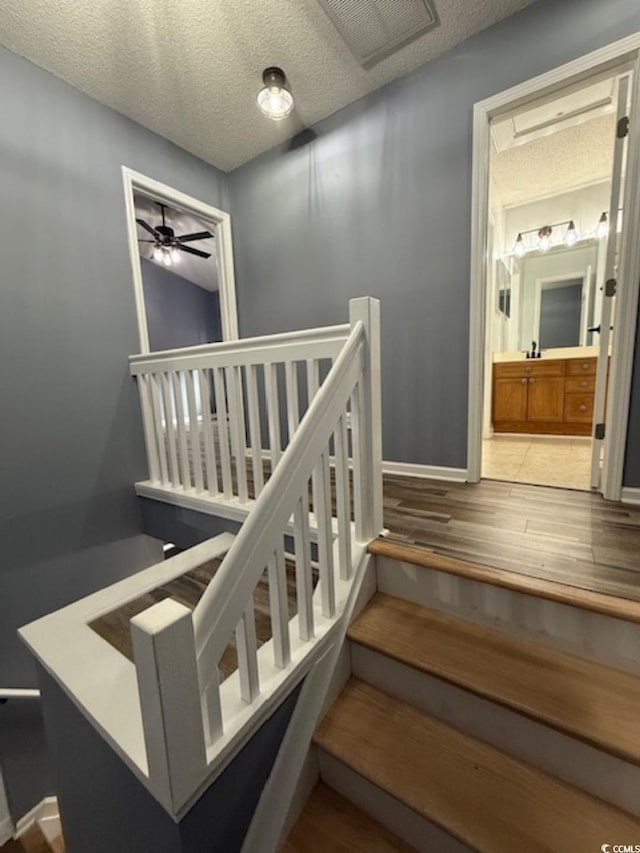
{"x":583,"y":408}
{"x":584,"y":383}
{"x":528,"y":368}
{"x":524,"y":380}
{"x":531,"y":381}
{"x":585,"y":367}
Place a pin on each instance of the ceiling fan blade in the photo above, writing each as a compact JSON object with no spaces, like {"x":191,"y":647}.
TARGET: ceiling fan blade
{"x":142,"y":240}
{"x":200,"y":235}
{"x":193,"y":251}
{"x":148,"y":228}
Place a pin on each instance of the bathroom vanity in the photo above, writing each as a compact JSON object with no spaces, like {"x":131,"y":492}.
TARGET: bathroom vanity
{"x":544,"y":395}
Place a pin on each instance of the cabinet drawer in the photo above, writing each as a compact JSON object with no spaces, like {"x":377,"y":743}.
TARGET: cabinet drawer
{"x":581,"y":384}
{"x":528,"y":367}
{"x":578,"y":407}
{"x":581,"y":366}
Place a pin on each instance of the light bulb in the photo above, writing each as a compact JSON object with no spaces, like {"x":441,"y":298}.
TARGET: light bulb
{"x":571,"y":237}
{"x":157,"y":253}
{"x":519,"y":248}
{"x":166,"y":257}
{"x":275,"y":101}
{"x":174,"y":254}
{"x":603,"y":227}
{"x":544,"y":238}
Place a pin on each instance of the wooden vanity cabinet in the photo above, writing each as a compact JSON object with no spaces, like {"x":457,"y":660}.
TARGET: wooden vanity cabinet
{"x":553,"y":396}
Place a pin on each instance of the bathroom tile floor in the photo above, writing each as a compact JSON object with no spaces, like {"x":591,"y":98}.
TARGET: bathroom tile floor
{"x":546,"y":460}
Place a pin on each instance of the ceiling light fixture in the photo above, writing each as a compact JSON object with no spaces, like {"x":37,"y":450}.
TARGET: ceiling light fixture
{"x":603,"y":226}
{"x":275,"y":100}
{"x":571,"y":237}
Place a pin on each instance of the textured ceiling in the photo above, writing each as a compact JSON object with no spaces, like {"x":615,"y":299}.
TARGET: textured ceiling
{"x":563,"y":161}
{"x":200,"y":271}
{"x":191,"y":71}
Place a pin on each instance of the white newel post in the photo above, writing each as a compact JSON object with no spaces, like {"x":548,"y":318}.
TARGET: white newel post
{"x":367,"y":311}
{"x":165,"y":659}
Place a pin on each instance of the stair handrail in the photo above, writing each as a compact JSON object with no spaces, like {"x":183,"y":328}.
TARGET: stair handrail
{"x":241,"y":568}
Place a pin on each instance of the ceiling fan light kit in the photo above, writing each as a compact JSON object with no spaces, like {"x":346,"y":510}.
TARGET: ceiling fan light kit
{"x":275,"y":100}
{"x":167,"y":245}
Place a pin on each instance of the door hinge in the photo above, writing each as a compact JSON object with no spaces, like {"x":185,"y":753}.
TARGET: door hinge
{"x":599,"y":432}
{"x":610,"y":287}
{"x":622,"y":129}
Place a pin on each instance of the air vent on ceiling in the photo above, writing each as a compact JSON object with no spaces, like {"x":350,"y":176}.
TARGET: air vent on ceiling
{"x":374,"y":29}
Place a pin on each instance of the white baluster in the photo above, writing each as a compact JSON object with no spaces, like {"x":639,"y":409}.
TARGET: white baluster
{"x":194,"y":431}
{"x":238,"y":428}
{"x":165,"y":661}
{"x":278,"y":605}
{"x":293,"y":403}
{"x":150,"y":440}
{"x":313,"y":378}
{"x":255,"y":436}
{"x":343,"y":501}
{"x":207,"y":434}
{"x":247,"y":647}
{"x":356,"y":443}
{"x":170,"y":430}
{"x":212,"y":709}
{"x":156,"y":399}
{"x":185,"y":471}
{"x":304,"y":583}
{"x":273,"y":411}
{"x":223,"y":433}
{"x":322,"y":509}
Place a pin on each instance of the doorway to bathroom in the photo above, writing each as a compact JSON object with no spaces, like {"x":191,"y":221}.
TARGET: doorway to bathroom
{"x":557,"y":173}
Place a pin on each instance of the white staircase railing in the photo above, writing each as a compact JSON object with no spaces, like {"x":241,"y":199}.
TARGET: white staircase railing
{"x":217,"y":417}
{"x":169,"y":715}
{"x":192,"y":722}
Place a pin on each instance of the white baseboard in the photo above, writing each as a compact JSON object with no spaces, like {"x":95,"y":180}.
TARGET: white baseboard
{"x":43,"y":811}
{"x":431,"y":472}
{"x":630,"y":495}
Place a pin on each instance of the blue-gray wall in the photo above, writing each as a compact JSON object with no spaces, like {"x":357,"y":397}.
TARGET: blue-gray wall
{"x":71,"y":444}
{"x":179,"y":313}
{"x":105,"y":809}
{"x":380,"y":204}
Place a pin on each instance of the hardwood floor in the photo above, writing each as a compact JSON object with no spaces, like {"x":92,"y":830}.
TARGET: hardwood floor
{"x":188,"y":589}
{"x":569,"y":537}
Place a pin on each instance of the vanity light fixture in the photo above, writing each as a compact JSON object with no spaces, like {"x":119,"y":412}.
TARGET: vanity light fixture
{"x":571,"y":236}
{"x":603,"y":226}
{"x":544,"y":238}
{"x":275,"y":100}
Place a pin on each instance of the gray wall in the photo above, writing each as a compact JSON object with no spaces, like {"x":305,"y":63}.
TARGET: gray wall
{"x":71,"y":444}
{"x":380,"y":204}
{"x":105,"y":809}
{"x":179,"y":313}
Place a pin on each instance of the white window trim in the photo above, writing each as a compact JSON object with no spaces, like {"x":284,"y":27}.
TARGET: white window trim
{"x":135,"y":182}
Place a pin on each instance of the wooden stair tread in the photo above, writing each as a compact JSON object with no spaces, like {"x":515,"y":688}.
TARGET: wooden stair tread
{"x":330,"y":823}
{"x":33,"y":840}
{"x":598,"y":602}
{"x":588,"y":700}
{"x":487,"y":799}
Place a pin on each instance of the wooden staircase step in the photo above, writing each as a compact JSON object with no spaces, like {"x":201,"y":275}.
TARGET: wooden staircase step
{"x":330,"y":823}
{"x":481,"y":796}
{"x":597,"y":602}
{"x":33,"y":840}
{"x":595,"y":703}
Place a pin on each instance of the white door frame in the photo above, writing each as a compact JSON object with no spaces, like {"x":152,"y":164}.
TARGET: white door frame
{"x":135,"y":182}
{"x":615,"y":57}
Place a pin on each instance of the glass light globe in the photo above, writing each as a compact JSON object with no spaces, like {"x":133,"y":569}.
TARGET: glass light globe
{"x":603,"y":227}
{"x":157,"y":253}
{"x":544,"y":238}
{"x":166,"y":257}
{"x":275,"y":101}
{"x":571,"y":237}
{"x":519,"y":248}
{"x":175,"y":255}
